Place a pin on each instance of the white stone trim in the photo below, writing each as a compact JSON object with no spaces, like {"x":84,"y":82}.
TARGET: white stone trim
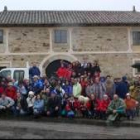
{"x":65,"y":53}
{"x":7,"y":41}
{"x":51,"y":40}
{"x":70,"y":38}
{"x":54,"y":57}
{"x":129,"y":39}
{"x":134,"y":70}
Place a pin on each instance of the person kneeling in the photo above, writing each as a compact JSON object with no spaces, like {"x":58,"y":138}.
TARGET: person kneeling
{"x":6,"y":104}
{"x":116,"y":109}
{"x":131,"y":105}
{"x":38,"y":107}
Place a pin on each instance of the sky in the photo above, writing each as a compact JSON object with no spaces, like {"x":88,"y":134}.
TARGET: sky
{"x":121,"y":5}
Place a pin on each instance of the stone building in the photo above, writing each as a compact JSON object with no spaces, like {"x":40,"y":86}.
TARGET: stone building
{"x":112,"y":37}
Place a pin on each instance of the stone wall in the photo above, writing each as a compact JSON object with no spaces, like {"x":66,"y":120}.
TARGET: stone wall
{"x":3,"y":45}
{"x":100,"y":39}
{"x":113,"y":64}
{"x":20,"y":61}
{"x":29,"y":40}
{"x":61,"y":47}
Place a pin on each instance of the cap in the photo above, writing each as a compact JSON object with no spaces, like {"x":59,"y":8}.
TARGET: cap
{"x":31,"y":93}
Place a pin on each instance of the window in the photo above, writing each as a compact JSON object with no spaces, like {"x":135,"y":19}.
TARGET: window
{"x":1,"y":36}
{"x":60,"y":36}
{"x":136,"y":71}
{"x":136,"y":38}
{"x":19,"y":75}
{"x":5,"y":73}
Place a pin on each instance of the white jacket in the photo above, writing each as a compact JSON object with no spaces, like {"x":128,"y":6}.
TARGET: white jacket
{"x":30,"y":101}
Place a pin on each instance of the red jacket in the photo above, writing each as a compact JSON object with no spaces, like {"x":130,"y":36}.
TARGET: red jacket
{"x":61,"y":72}
{"x":68,"y":74}
{"x":1,"y":89}
{"x":11,"y":92}
{"x":103,"y":105}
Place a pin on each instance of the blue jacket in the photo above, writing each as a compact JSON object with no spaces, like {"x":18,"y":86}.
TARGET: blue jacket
{"x":39,"y":105}
{"x":68,"y":89}
{"x":122,"y":89}
{"x":38,"y":86}
{"x":34,"y":71}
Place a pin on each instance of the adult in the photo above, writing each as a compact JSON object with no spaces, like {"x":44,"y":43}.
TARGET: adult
{"x":11,"y":91}
{"x":21,"y":105}
{"x":89,"y":89}
{"x":131,"y":105}
{"x":34,"y":70}
{"x":2,"y":87}
{"x":116,"y":109}
{"x":62,"y":71}
{"x":22,"y":89}
{"x":110,"y":88}
{"x":122,"y":88}
{"x":54,"y":105}
{"x":68,"y":89}
{"x":96,"y":69}
{"x":99,"y":89}
{"x":6,"y":104}
{"x":77,"y":88}
{"x":37,"y":85}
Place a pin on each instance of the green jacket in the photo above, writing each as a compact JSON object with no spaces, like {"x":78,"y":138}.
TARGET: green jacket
{"x":118,"y":105}
{"x":77,"y":89}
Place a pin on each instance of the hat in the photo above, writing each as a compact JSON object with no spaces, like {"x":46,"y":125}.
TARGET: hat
{"x":10,"y":84}
{"x":31,"y":93}
{"x":128,"y":94}
{"x":105,"y":95}
{"x":86,"y":99}
{"x":36,"y":77}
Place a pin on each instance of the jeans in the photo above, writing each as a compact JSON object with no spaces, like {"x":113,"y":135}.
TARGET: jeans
{"x":130,"y":113}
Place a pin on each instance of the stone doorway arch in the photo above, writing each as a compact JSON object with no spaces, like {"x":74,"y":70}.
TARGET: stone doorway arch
{"x":48,"y":60}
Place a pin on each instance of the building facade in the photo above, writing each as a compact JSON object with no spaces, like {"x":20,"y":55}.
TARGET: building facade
{"x":112,"y":38}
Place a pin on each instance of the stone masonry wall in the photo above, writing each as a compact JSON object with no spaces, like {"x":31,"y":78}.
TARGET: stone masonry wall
{"x":20,"y":61}
{"x":113,"y":64}
{"x":3,"y":45}
{"x":29,"y":40}
{"x":100,"y":39}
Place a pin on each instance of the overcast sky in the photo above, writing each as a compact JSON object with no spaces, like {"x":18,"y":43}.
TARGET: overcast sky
{"x":70,"y":4}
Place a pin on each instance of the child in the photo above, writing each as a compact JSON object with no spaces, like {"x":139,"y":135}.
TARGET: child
{"x":30,"y":102}
{"x":83,"y":106}
{"x":102,"y":107}
{"x":131,"y":105}
{"x":38,"y":106}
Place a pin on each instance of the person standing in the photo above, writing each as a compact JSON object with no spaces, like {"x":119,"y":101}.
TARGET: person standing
{"x":99,"y":89}
{"x":34,"y":70}
{"x":122,"y":88}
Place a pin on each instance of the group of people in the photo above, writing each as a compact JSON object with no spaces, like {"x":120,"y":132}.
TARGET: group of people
{"x":77,"y":90}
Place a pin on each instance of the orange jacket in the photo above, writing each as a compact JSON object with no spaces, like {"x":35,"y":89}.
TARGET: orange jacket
{"x":130,"y":103}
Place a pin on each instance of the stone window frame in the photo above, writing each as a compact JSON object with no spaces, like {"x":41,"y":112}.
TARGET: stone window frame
{"x":135,"y":71}
{"x":61,"y":41}
{"x":132,"y":41}
{"x":1,"y":36}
